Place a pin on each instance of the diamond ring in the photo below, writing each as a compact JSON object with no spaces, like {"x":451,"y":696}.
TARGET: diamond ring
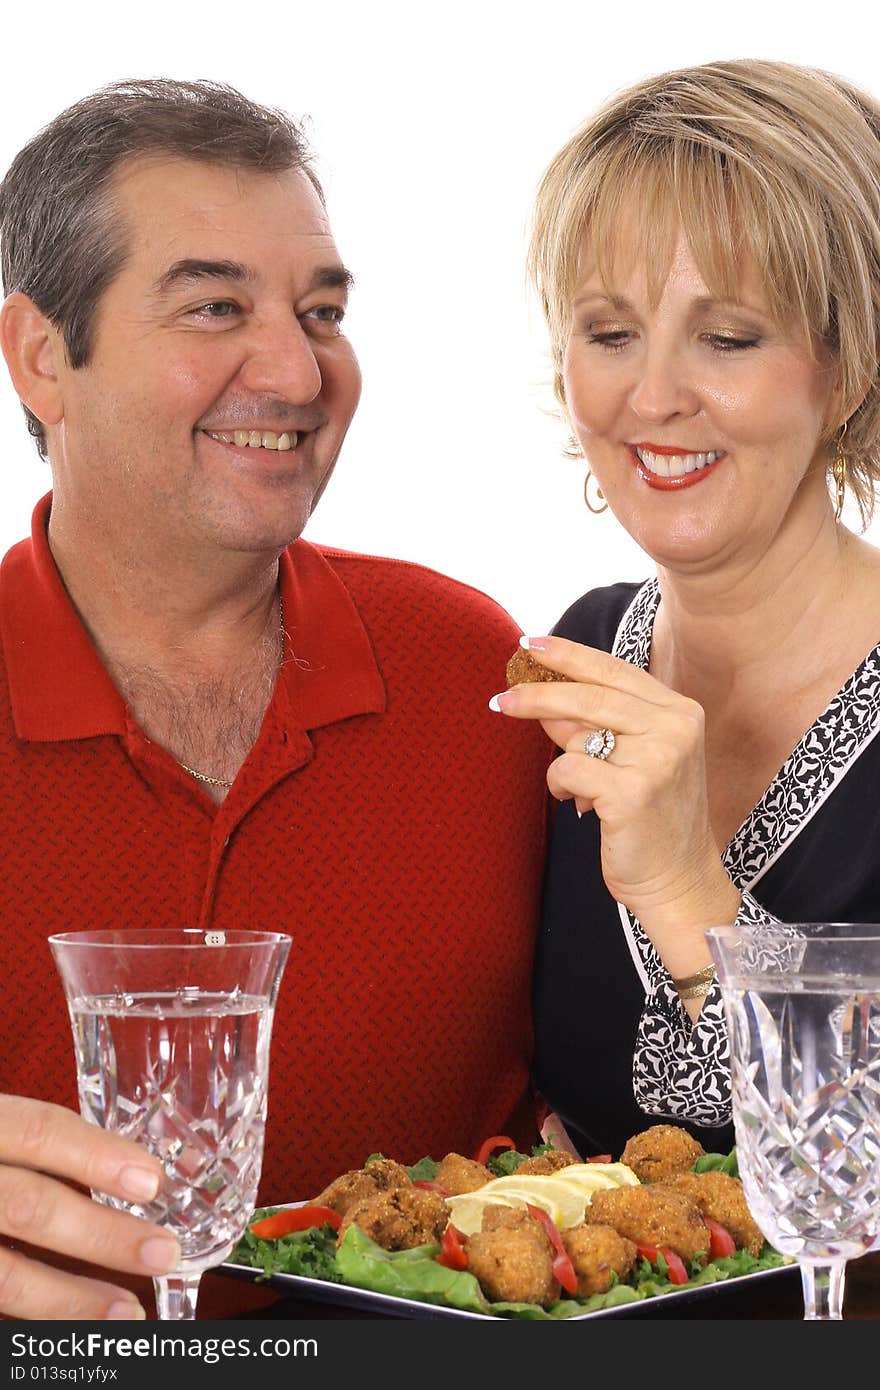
{"x":599,"y":744}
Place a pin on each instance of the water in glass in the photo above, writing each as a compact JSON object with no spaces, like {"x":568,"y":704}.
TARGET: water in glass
{"x":171,"y":1031}
{"x":803,"y":1016}
{"x":185,"y":1074}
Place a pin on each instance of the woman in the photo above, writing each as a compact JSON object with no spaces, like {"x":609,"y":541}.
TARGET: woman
{"x":707,"y":252}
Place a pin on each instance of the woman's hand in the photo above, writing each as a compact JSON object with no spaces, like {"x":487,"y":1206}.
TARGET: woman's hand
{"x":40,"y":1143}
{"x":659,"y":854}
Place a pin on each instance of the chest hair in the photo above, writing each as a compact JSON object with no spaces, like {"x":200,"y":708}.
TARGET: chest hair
{"x":209,"y":722}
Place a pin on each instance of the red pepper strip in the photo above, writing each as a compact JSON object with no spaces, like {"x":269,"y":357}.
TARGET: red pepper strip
{"x":488,"y":1146}
{"x":721,"y":1242}
{"x":600,"y":1158}
{"x":563,"y":1268}
{"x":452,"y":1252}
{"x":431,"y":1186}
{"x":675,"y":1269}
{"x":295,"y":1219}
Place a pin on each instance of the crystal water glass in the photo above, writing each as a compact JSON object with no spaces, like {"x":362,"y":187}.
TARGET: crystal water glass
{"x":171,"y":1032}
{"x":802,"y":1005}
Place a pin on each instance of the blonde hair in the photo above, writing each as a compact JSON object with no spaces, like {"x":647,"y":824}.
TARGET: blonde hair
{"x":764,"y":159}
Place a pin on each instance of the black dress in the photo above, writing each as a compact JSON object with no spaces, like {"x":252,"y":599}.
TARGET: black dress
{"x":614,"y":1050}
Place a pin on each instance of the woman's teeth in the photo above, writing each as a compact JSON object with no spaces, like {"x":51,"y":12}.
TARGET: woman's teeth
{"x":675,"y":465}
{"x":256,"y":439}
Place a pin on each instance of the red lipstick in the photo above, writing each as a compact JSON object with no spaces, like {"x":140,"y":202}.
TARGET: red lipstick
{"x":669,"y":450}
{"x":663,"y":484}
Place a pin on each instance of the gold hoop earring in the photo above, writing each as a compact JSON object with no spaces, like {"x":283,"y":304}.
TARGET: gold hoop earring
{"x":597,"y":511}
{"x":838,"y":472}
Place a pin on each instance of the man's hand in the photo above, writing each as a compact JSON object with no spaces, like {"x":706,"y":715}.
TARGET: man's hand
{"x":40,"y":1143}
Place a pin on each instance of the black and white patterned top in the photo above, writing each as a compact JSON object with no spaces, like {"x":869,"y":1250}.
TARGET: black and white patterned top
{"x":614,"y":1050}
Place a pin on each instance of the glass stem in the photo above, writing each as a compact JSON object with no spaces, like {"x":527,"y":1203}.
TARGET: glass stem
{"x":176,"y":1296}
{"x":823,"y":1289}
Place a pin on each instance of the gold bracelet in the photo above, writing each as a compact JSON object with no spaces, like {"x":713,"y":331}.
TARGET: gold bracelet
{"x":696,"y":991}
{"x":696,"y":986}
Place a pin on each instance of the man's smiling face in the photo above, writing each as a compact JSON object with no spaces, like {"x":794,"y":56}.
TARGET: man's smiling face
{"x":225,"y":321}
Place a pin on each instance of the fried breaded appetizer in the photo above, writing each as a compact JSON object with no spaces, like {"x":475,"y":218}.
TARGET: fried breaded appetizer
{"x":547,"y":1163}
{"x":459,"y":1174}
{"x":598,"y":1253}
{"x":660,"y":1151}
{"x":721,"y":1197}
{"x":522,"y":668}
{"x":512,"y":1258}
{"x":400,"y":1218}
{"x":651,"y":1216}
{"x":359,"y":1184}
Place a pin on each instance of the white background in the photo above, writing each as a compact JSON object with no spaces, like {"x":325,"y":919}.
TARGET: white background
{"x":432,"y":124}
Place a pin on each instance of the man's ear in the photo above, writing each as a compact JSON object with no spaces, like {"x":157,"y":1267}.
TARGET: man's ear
{"x":34,"y":353}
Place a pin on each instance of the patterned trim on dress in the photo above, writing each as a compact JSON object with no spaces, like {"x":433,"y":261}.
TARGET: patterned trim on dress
{"x":678,"y":1070}
{"x":808,"y":777}
{"x":634,"y":946}
{"x":633,"y":640}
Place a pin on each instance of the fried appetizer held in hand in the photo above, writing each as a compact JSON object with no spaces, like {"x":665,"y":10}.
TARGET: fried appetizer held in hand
{"x":651,"y":1216}
{"x":546,"y":1163}
{"x":399,"y":1219}
{"x":522,"y":668}
{"x":359,"y":1184}
{"x":512,"y":1258}
{"x":660,"y":1152}
{"x":721,"y":1197}
{"x":598,"y":1253}
{"x":458,"y":1174}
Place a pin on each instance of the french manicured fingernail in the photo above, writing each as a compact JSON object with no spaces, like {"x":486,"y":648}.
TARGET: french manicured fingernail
{"x":160,"y":1253}
{"x":126,"y":1312}
{"x":141,"y":1184}
{"x":533,"y":644}
{"x":499,"y":703}
{"x":580,"y":813}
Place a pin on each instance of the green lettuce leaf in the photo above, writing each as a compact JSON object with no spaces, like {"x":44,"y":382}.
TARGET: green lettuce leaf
{"x":406,"y":1273}
{"x":310,"y":1253}
{"x":425,"y":1170}
{"x":506,"y":1162}
{"x":717,"y":1163}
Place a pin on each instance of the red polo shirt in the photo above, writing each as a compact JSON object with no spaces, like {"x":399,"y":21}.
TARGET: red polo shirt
{"x":384,"y":818}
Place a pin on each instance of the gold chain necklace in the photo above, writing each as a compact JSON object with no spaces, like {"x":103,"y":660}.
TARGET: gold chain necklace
{"x":220,"y":781}
{"x":203,"y":777}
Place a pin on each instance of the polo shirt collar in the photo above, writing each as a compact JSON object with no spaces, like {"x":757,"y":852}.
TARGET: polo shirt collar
{"x":58,"y":686}
{"x":329,"y":671}
{"x":60,"y":689}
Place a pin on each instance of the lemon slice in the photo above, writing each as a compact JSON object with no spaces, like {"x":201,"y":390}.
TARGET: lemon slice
{"x":593,"y":1176}
{"x":466,"y":1209}
{"x":564,"y":1194}
{"x":565,"y":1201}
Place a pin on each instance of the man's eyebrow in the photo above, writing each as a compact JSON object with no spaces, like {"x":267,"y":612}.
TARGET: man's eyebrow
{"x":333,"y":277}
{"x":191,"y":270}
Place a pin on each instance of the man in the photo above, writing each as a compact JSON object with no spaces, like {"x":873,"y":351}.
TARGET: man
{"x":207,"y":722}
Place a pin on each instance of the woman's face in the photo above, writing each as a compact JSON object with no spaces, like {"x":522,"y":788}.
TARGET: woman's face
{"x":700,"y":420}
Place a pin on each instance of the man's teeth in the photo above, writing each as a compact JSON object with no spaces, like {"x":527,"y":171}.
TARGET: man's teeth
{"x":257,"y":439}
{"x":675,"y":465}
